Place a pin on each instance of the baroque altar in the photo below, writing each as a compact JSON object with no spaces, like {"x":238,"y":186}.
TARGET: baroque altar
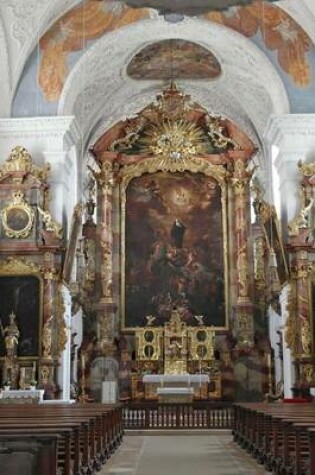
{"x":174,"y":361}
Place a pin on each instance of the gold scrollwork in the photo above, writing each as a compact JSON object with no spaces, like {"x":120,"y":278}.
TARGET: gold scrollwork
{"x":239,"y":186}
{"x":243,"y":271}
{"x":174,"y":140}
{"x":307,"y":372}
{"x":20,"y":160}
{"x":13,"y":266}
{"x":259,"y":263}
{"x":18,"y":217}
{"x":290,"y":334}
{"x":303,"y":218}
{"x":308,"y":169}
{"x":154,"y":164}
{"x":50,"y":224}
{"x":105,"y":178}
{"x":306,"y":335}
{"x":59,"y":307}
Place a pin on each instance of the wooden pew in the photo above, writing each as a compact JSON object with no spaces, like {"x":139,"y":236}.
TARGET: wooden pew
{"x":85,"y":435}
{"x":278,"y":435}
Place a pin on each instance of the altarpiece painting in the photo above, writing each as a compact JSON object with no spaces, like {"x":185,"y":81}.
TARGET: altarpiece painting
{"x":21,"y":295}
{"x":174,"y":248}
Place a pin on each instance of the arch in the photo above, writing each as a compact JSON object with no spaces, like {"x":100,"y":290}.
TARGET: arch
{"x":248,"y":82}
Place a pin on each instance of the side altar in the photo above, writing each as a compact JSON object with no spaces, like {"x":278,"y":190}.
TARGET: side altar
{"x":175,"y":363}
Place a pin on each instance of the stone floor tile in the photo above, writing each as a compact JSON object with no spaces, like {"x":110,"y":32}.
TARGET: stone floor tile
{"x":170,"y":455}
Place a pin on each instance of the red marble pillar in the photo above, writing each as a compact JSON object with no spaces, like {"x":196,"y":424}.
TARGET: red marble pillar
{"x":105,"y":307}
{"x":241,"y":200}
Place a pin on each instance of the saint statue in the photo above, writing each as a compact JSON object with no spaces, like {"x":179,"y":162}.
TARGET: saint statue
{"x":175,"y":349}
{"x":11,"y":336}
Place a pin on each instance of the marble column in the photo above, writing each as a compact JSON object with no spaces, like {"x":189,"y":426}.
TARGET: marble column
{"x":105,"y":306}
{"x":244,"y":309}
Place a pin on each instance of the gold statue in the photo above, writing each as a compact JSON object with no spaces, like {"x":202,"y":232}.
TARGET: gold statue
{"x":175,"y":349}
{"x":11,"y":336}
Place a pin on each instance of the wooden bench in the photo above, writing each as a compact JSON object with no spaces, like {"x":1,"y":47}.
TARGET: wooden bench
{"x":278,"y":435}
{"x":81,"y":437}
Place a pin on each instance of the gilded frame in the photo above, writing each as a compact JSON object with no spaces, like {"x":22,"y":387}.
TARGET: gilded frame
{"x":16,"y":211}
{"x":12,"y":267}
{"x":157,"y":164}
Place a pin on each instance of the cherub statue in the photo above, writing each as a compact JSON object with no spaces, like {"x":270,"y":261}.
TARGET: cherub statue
{"x":150,"y":319}
{"x":199,"y":319}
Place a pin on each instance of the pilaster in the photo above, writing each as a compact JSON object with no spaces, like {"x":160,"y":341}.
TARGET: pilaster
{"x":294,"y":137}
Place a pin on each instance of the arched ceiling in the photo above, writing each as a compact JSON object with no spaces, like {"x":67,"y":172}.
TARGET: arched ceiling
{"x":248,"y":90}
{"x":98,"y":90}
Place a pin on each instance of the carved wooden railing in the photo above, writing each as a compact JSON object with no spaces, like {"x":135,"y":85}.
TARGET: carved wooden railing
{"x":155,"y":415}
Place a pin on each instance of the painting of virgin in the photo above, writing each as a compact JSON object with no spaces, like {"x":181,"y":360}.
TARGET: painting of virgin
{"x":174,"y":249}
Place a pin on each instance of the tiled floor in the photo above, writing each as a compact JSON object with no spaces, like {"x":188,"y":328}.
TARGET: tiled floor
{"x":180,"y":455}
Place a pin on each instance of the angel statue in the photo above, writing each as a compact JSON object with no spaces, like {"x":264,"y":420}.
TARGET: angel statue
{"x":199,"y":319}
{"x":150,"y":319}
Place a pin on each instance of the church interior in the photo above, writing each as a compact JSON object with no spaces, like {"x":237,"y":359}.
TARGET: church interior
{"x":157,"y":239}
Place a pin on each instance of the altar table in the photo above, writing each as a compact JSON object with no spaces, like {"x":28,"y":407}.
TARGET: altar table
{"x":198,"y":383}
{"x":22,"y":395}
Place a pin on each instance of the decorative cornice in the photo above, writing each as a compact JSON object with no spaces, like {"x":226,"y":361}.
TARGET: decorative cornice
{"x":284,"y":130}
{"x":64,"y":129}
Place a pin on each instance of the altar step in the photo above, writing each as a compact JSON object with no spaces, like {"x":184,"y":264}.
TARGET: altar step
{"x":178,"y":432}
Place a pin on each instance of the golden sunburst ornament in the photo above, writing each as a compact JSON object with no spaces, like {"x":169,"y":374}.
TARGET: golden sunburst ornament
{"x":175,"y":140}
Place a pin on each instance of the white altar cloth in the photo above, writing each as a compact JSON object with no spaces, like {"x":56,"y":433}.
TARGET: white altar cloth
{"x":166,"y":379}
{"x":37,"y":394}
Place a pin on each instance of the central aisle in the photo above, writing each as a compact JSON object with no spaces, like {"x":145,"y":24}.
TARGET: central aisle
{"x":181,"y":455}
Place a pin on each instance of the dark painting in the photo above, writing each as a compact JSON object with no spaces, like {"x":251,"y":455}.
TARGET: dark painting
{"x":174,"y":249}
{"x":21,"y":295}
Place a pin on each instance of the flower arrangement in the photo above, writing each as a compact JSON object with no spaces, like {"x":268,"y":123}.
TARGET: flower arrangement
{"x":33,"y":382}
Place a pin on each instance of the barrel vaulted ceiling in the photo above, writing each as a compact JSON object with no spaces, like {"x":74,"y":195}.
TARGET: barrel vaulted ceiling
{"x":72,"y":57}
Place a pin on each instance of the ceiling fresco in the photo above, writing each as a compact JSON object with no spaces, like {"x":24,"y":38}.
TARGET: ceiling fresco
{"x":278,"y":36}
{"x":279,"y":32}
{"x":174,"y":59}
{"x":72,"y":32}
